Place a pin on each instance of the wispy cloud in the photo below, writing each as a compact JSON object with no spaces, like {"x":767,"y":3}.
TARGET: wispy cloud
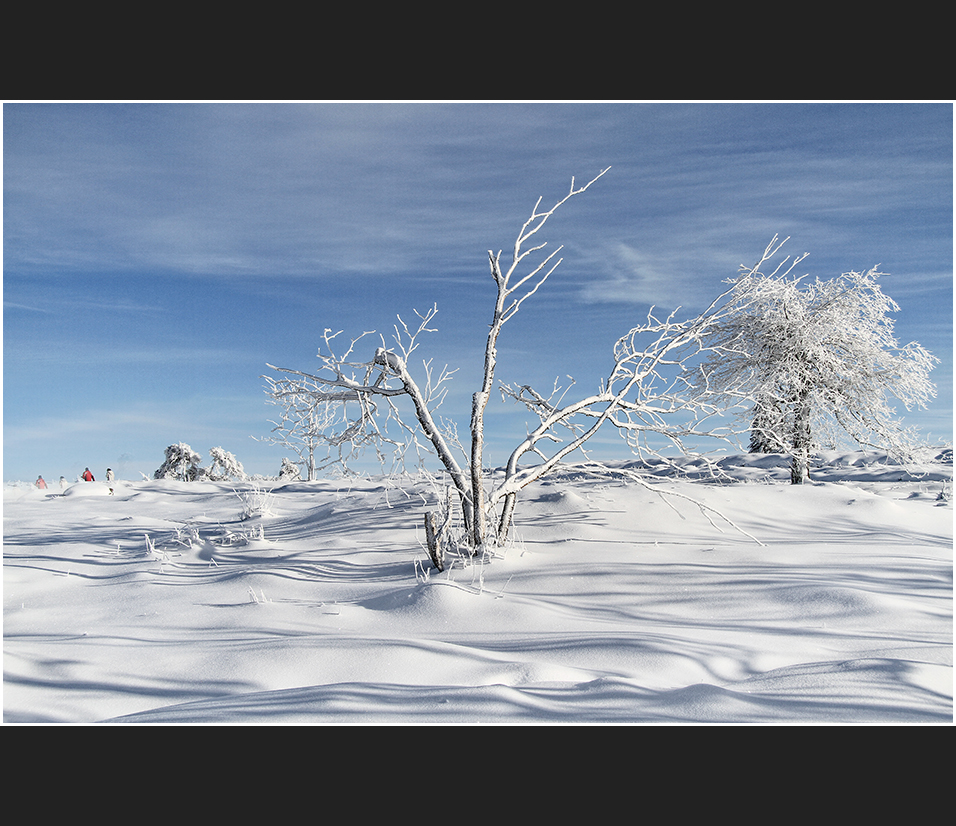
{"x":60,"y":304}
{"x":640,"y":278}
{"x":13,"y":305}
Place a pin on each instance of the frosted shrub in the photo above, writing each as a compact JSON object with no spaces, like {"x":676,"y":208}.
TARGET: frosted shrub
{"x":257,"y":501}
{"x":182,"y":463}
{"x":224,"y":466}
{"x":289,"y":472}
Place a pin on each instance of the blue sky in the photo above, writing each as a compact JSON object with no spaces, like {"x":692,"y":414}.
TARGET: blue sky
{"x":156,"y":256}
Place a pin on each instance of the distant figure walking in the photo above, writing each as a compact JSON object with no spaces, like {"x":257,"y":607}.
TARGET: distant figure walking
{"x":40,"y":483}
{"x":62,"y":483}
{"x":109,"y":479}
{"x":87,"y":476}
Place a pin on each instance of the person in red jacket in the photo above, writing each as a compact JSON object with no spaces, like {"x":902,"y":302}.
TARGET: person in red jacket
{"x":87,"y":476}
{"x":41,"y":483}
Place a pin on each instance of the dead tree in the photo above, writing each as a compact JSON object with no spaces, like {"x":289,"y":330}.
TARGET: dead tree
{"x":650,"y":390}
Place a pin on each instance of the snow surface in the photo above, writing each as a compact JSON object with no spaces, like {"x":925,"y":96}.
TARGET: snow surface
{"x":204,"y":602}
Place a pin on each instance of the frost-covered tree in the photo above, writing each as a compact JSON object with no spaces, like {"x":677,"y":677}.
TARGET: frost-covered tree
{"x":820,"y":359}
{"x":182,"y":462}
{"x":648,"y":395}
{"x":311,"y":425}
{"x":289,"y":471}
{"x":224,"y":466}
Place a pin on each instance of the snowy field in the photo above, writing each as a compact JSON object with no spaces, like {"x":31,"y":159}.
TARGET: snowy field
{"x":163,"y":604}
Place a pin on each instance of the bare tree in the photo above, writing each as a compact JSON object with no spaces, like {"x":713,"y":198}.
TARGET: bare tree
{"x":353,"y":404}
{"x":304,"y":425}
{"x":821,"y":360}
{"x":648,"y":395}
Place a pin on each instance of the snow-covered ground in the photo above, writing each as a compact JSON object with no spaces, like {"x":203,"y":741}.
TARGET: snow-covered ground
{"x":163,"y":604}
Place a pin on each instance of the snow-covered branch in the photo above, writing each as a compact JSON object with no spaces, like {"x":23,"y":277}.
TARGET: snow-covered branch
{"x":348,"y":406}
{"x":647,"y":394}
{"x":506,"y":306}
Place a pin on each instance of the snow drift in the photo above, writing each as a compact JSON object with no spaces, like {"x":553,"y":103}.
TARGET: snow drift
{"x":210,"y":602}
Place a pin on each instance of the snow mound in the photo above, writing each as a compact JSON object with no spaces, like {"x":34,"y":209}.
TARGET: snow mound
{"x":563,"y":501}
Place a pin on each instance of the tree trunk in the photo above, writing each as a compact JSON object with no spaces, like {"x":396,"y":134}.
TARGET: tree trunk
{"x":479,"y":400}
{"x":433,"y":541}
{"x":507,"y":512}
{"x":478,"y":403}
{"x":800,"y":463}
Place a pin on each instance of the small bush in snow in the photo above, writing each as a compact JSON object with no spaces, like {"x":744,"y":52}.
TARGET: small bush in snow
{"x":182,"y":463}
{"x":289,"y":472}
{"x":256,"y":501}
{"x":224,"y":466}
